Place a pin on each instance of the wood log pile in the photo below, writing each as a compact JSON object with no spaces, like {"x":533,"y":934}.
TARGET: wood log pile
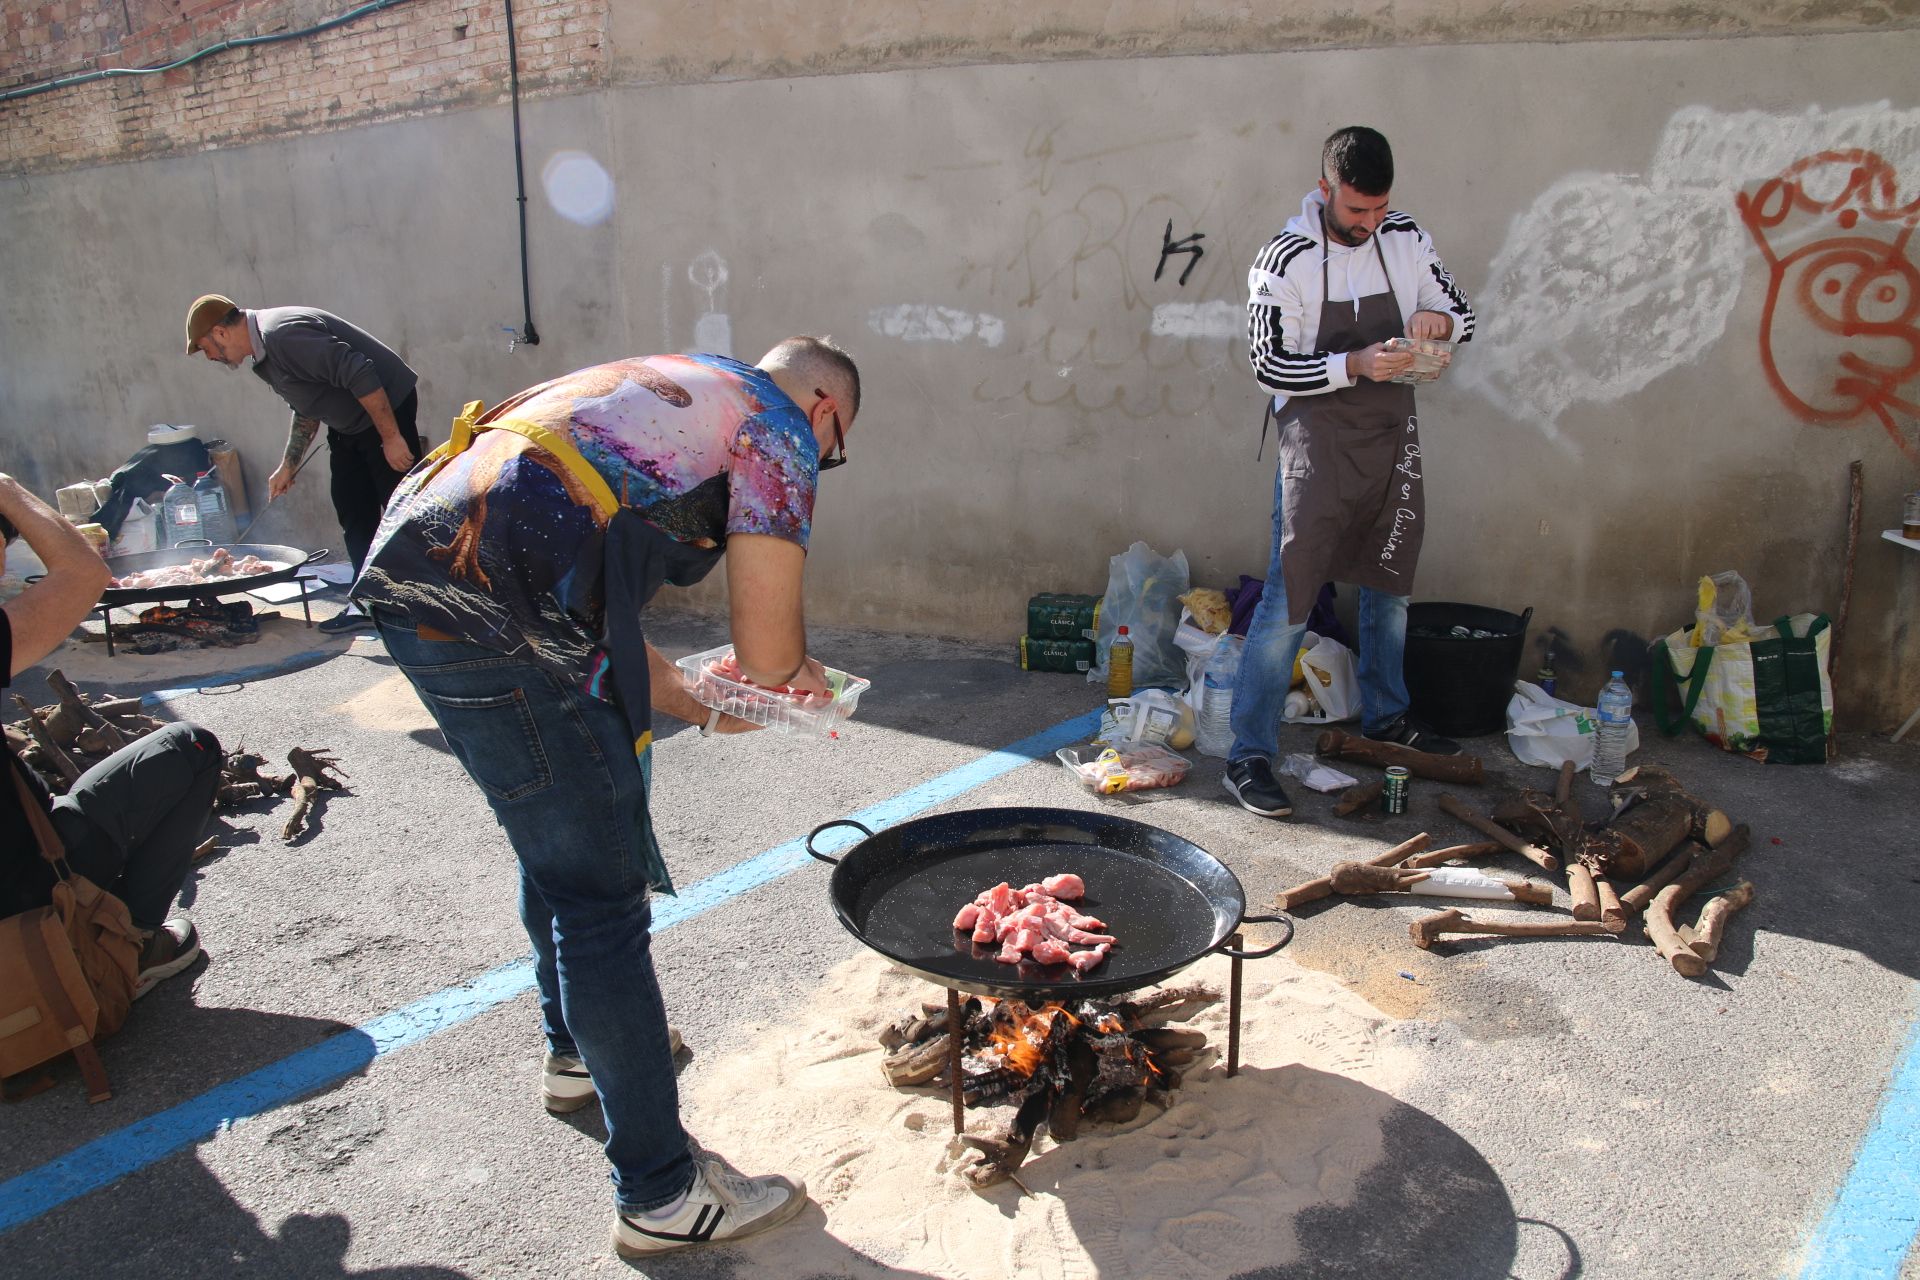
{"x":1656,"y":835}
{"x":65,"y":739}
{"x":1100,"y":1060}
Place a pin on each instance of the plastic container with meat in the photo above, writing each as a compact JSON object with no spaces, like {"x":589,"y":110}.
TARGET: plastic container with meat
{"x":1137,"y":767}
{"x":715,"y":680}
{"x":1431,"y":356}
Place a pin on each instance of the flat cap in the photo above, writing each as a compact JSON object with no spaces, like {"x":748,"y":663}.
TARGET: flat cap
{"x":207,"y":310}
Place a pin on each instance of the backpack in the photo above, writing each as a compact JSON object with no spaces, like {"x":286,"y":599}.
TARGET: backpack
{"x":67,"y":971}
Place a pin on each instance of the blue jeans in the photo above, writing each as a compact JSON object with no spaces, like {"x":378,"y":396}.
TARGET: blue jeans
{"x":1266,"y":664}
{"x":558,"y":767}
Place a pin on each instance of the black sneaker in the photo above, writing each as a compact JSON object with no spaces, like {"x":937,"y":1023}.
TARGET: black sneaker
{"x":1251,"y":782}
{"x":1411,"y":734}
{"x":344,"y":622}
{"x":170,"y":949}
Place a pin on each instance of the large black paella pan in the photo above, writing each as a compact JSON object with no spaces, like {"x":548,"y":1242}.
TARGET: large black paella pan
{"x":1167,"y":900}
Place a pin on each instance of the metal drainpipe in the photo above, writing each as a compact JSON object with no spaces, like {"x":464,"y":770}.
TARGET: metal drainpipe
{"x":529,"y":336}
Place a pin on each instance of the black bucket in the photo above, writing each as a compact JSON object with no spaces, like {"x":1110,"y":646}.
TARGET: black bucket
{"x":1461,"y":684}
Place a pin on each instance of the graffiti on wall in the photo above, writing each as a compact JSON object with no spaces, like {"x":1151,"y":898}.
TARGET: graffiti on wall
{"x":1841,"y":308}
{"x":1608,"y":281}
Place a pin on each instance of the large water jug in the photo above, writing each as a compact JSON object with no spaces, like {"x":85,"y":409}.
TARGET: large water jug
{"x":179,"y":513}
{"x":216,"y":513}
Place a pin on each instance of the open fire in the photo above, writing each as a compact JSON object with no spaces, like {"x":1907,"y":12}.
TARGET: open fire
{"x":1057,"y":1064}
{"x":204,"y":622}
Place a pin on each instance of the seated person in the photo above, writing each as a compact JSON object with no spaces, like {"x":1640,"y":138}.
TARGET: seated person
{"x":131,"y":822}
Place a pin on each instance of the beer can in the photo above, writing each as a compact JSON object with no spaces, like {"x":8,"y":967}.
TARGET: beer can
{"x":1394,"y":798}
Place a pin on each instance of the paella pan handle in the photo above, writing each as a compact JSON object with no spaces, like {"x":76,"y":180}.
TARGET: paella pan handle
{"x":191,"y":542}
{"x":313,"y":556}
{"x":837,"y":822}
{"x":1265,"y":951}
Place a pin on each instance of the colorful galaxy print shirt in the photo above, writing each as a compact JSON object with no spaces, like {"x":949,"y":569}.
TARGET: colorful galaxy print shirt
{"x":502,"y":547}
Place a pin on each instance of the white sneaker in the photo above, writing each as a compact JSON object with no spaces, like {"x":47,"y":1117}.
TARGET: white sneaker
{"x":566,"y":1085}
{"x":722,"y":1205}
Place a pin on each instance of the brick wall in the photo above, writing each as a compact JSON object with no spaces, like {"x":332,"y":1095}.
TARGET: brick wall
{"x":418,"y":56}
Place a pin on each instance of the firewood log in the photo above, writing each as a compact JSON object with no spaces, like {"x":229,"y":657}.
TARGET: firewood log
{"x":1322,"y":887}
{"x":303,"y":793}
{"x":1454,"y":853}
{"x":1494,"y":831}
{"x":1649,"y":831}
{"x":1707,"y":931}
{"x":1361,"y":795}
{"x":1162,"y":1038}
{"x":1704,"y":868}
{"x":1459,"y":769}
{"x":1666,"y":939}
{"x":116,"y":706}
{"x":1612,"y":913}
{"x":49,"y":749}
{"x":916,"y":1063}
{"x":73,"y":710}
{"x":1687,"y":862}
{"x":1585,"y":894}
{"x":102,"y":741}
{"x":1354,"y":879}
{"x":1430,"y":929}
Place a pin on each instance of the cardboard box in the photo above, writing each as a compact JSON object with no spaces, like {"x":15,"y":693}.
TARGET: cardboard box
{"x":226,"y":461}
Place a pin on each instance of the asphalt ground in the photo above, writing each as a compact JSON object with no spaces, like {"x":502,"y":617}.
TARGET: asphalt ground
{"x":1576,"y":1107}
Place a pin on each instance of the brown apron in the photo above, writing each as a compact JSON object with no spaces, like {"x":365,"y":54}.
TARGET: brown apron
{"x":1353,"y":507}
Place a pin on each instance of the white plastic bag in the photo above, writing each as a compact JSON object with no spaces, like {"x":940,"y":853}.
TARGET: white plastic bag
{"x":1333,"y":678}
{"x":1198,"y":645}
{"x":139,"y":532}
{"x":1547,"y":731}
{"x":1314,"y":774}
{"x":1143,"y":594}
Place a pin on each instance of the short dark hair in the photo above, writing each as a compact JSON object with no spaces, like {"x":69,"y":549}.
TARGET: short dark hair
{"x":1358,"y":157}
{"x":232,"y":318}
{"x":815,"y":357}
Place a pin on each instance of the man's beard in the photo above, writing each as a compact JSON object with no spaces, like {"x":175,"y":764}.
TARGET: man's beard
{"x":1347,"y":235}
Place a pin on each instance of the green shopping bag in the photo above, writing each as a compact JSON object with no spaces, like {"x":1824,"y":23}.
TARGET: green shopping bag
{"x":1770,"y":699}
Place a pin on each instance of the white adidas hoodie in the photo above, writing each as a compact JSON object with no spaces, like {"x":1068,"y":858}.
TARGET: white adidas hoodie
{"x":1283,"y":303}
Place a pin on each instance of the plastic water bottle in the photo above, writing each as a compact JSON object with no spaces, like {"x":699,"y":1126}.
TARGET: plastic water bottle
{"x":1120,"y":666}
{"x":179,"y":513}
{"x":1214,"y":734}
{"x":216,"y":517}
{"x":1610,"y":733}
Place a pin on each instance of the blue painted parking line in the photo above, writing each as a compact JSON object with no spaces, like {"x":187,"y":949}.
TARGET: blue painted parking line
{"x":113,"y":1156}
{"x":1870,"y":1229}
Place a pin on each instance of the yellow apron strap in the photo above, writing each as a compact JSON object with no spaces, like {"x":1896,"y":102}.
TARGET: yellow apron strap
{"x":468,"y":424}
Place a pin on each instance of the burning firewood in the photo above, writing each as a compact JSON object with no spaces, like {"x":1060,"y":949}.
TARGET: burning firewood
{"x":1059,"y":1065}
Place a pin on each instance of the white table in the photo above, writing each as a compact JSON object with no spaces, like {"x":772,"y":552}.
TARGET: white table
{"x":1912,"y":544}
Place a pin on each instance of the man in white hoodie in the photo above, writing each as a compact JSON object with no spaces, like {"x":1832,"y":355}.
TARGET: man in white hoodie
{"x":1325,"y":297}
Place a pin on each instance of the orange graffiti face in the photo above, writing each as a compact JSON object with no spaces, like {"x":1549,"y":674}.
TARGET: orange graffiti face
{"x":1838,"y":337}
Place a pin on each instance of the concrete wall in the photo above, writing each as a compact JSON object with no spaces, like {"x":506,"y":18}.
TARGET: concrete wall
{"x":986,"y":239}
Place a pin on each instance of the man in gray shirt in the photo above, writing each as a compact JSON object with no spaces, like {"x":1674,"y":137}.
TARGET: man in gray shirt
{"x":329,"y":372}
